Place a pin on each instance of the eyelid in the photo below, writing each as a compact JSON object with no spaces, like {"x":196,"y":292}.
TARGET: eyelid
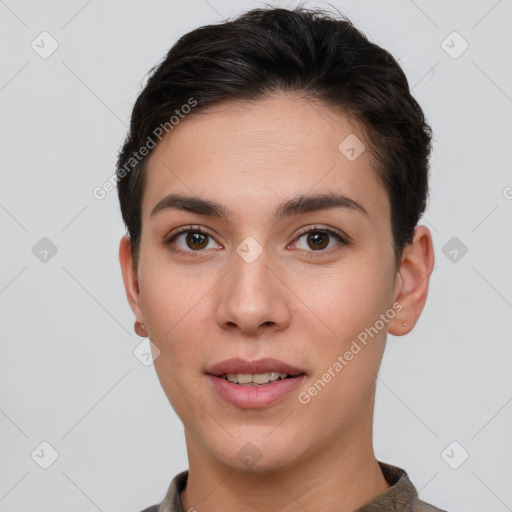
{"x":185,"y":229}
{"x":190,"y":227}
{"x":319,"y":227}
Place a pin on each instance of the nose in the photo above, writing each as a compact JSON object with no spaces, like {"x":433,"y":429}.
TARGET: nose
{"x":253,"y":298}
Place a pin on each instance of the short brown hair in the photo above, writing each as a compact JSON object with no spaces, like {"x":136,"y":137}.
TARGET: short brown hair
{"x":304,"y":51}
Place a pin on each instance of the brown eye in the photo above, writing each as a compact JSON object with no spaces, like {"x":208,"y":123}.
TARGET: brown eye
{"x":191,"y":241}
{"x":320,"y":240}
{"x":317,"y":240}
{"x":196,"y":240}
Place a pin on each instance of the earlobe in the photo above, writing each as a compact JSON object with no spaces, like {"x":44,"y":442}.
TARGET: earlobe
{"x":412,"y":281}
{"x":130,"y":280}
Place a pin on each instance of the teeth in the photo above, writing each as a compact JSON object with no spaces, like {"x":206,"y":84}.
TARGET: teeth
{"x":254,"y":378}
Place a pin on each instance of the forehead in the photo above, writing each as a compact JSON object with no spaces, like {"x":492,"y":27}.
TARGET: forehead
{"x":248,"y":153}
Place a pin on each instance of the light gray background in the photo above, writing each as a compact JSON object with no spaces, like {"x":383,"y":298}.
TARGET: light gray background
{"x":69,"y":376}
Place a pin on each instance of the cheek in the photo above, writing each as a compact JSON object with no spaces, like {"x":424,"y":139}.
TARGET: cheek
{"x":350,"y":299}
{"x":169,"y":299}
{"x":170,"y":309}
{"x":349,"y":355}
{"x":176,"y":307}
{"x":349,"y":311}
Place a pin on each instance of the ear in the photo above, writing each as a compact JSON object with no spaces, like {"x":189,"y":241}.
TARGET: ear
{"x":131,"y":283}
{"x":412,"y":280}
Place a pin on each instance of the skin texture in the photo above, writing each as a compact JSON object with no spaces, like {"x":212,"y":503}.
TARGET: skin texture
{"x":295,"y":302}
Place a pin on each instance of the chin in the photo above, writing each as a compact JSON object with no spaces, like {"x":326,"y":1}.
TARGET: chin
{"x":259,"y":457}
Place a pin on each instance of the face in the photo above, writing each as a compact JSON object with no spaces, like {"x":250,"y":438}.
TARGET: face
{"x":274,"y":277}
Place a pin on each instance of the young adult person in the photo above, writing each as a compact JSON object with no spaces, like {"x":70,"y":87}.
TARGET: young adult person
{"x":272,"y":181}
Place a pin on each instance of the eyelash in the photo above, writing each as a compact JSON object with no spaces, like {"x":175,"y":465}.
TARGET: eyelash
{"x":311,"y":229}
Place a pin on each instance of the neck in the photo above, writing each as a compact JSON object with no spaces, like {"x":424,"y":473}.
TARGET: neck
{"x":340,"y":478}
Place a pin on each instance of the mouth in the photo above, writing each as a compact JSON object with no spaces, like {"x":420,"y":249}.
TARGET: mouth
{"x":256,"y":379}
{"x":260,"y":371}
{"x":254,"y":384}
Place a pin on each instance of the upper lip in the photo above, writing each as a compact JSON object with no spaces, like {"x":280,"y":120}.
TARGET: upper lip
{"x":267,"y":364}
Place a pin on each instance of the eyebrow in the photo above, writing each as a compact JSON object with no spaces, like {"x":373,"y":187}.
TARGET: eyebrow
{"x":298,"y":205}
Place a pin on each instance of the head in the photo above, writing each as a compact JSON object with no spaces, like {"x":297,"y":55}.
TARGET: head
{"x":289,"y":149}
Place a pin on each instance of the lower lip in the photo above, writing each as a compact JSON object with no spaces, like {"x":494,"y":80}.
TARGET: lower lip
{"x":262,"y":395}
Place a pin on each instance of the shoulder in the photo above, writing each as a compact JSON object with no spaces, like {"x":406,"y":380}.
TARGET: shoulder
{"x":172,"y":500}
{"x":402,"y":492}
{"x":422,"y":506}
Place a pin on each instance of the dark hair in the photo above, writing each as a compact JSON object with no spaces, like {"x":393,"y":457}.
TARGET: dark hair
{"x":308,"y":52}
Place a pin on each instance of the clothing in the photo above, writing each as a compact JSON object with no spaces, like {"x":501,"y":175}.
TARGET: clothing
{"x":400,"y":497}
